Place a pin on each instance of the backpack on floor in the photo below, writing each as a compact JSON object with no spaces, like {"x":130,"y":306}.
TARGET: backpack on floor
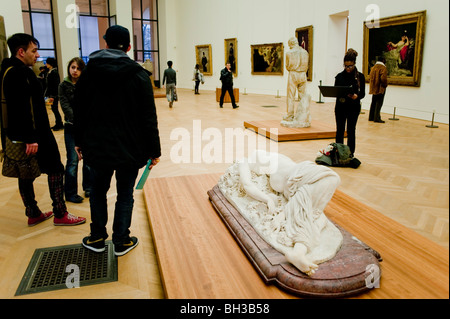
{"x":337,"y":155}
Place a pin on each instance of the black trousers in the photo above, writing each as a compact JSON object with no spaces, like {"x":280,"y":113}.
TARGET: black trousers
{"x":375,"y":107}
{"x":347,"y":116}
{"x":55,"y":109}
{"x":197,"y":84}
{"x":229,"y":89}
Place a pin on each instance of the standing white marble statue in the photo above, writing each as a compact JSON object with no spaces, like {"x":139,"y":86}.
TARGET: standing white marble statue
{"x":297,"y":61}
{"x":284,"y":202}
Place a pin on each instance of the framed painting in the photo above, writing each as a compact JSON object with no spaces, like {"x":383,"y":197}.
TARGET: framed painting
{"x":203,"y":54}
{"x":399,"y":40}
{"x":305,"y":39}
{"x":267,"y":59}
{"x":231,"y":54}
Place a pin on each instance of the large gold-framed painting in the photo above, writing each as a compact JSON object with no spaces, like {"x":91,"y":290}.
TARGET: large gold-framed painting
{"x":305,"y":39}
{"x":203,"y":54}
{"x":268,"y":59}
{"x":399,"y":40}
{"x":231,"y":54}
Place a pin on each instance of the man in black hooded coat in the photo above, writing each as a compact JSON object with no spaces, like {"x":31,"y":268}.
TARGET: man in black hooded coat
{"x":116,"y":131}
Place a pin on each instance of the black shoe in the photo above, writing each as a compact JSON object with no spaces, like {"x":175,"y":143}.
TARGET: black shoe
{"x":87,"y":194}
{"x":221,"y":106}
{"x":120,"y":250}
{"x":235,"y":107}
{"x":380,"y":121}
{"x":77,"y":199}
{"x":94,"y":244}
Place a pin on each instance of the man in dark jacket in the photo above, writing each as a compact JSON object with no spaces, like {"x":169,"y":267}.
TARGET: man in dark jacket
{"x":226,"y":76}
{"x":116,"y":130}
{"x":26,"y":121}
{"x":52,"y":84}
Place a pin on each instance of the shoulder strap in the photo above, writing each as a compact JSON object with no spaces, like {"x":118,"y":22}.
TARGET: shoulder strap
{"x":4,"y":110}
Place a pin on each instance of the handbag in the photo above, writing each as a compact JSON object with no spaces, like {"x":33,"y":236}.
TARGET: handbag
{"x":16,"y":163}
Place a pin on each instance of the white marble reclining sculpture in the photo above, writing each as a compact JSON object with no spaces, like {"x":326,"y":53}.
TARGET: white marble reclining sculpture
{"x":284,"y":202}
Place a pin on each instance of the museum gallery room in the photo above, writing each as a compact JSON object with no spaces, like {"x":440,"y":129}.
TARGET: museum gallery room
{"x":304,"y":154}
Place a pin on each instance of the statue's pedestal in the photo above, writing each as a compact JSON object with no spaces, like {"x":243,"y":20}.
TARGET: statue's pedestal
{"x":274,"y":130}
{"x":350,"y":272}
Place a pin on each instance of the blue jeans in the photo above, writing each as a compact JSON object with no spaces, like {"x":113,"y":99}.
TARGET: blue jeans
{"x":101,"y":182}
{"x":71,"y":174}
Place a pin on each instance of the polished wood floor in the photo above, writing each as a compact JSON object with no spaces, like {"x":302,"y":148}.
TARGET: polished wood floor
{"x":201,"y":258}
{"x":404,"y":175}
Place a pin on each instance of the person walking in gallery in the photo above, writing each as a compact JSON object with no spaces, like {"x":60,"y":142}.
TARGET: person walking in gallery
{"x":51,"y":92}
{"x":26,"y":122}
{"x":226,"y":76}
{"x":198,"y":77}
{"x":66,"y":96}
{"x":348,"y":107}
{"x":170,"y":79}
{"x":116,"y":132}
{"x":378,"y":84}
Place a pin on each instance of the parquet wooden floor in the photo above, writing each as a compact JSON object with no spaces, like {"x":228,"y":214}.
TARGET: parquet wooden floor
{"x":404,"y":175}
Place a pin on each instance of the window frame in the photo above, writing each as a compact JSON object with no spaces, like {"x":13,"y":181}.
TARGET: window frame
{"x":30,"y":12}
{"x":143,"y":51}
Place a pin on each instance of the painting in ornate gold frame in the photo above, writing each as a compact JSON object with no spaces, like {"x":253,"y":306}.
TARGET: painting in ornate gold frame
{"x":203,"y":55}
{"x":305,"y":39}
{"x":399,"y":40}
{"x":267,"y":59}
{"x":231,"y":54}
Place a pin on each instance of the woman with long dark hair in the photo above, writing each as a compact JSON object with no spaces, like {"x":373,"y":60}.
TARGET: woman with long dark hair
{"x":348,"y":107}
{"x":66,"y":96}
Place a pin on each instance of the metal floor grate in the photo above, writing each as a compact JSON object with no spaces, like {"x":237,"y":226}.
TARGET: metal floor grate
{"x":48,"y":269}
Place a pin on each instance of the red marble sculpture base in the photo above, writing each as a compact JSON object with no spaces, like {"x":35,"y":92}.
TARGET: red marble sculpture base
{"x":350,"y":272}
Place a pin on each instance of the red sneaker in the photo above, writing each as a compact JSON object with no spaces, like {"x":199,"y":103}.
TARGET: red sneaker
{"x":69,"y":220}
{"x":37,"y":220}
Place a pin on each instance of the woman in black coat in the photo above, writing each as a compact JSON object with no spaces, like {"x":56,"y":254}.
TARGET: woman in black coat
{"x":348,"y":107}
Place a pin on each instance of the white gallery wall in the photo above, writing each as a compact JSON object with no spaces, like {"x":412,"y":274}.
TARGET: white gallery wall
{"x":187,"y":23}
{"x":183,"y":24}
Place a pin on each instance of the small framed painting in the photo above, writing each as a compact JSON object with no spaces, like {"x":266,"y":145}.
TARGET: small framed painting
{"x":203,"y":55}
{"x":268,"y":59}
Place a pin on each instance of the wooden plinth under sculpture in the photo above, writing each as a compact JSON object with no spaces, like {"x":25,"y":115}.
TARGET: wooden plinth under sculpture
{"x":354,"y":270}
{"x":317,"y":130}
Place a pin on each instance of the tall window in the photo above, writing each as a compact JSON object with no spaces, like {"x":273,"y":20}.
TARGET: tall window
{"x":94,"y":21}
{"x":38,"y":21}
{"x":145,"y":33}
